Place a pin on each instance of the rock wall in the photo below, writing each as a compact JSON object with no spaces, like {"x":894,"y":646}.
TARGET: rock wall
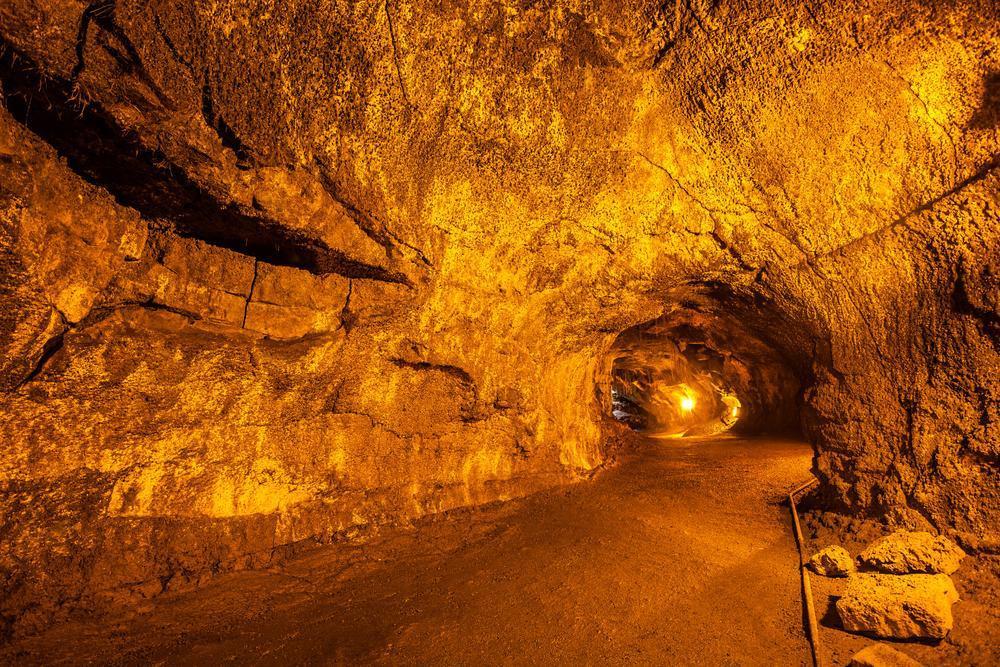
{"x":276,"y":271}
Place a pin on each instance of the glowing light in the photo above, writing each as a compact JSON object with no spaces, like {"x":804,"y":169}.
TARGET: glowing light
{"x":736,"y":411}
{"x":687,"y":404}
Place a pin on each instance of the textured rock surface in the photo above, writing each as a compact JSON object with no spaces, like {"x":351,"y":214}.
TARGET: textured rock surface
{"x":898,"y":606}
{"x":905,"y":552}
{"x":272,"y":272}
{"x":880,"y":655}
{"x":832,"y":561}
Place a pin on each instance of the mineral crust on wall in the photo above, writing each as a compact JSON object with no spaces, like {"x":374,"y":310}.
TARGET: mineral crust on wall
{"x":272,"y":272}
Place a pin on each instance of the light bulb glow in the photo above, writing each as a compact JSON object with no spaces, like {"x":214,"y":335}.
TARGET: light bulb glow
{"x":687,"y":404}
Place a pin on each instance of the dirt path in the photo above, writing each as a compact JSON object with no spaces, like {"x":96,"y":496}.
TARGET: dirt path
{"x":681,"y":555}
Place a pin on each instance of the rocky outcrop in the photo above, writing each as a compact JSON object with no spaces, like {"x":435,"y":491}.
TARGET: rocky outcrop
{"x":905,"y":552}
{"x":898,"y":607}
{"x":273,"y":276}
{"x":833,"y":561}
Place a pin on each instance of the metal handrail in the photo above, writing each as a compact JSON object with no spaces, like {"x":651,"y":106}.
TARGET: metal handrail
{"x":807,"y":598}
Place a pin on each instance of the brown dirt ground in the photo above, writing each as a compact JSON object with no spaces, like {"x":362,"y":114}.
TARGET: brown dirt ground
{"x":682,"y":554}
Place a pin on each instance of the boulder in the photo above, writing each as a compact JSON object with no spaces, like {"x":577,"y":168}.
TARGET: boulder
{"x":904,"y":552}
{"x":898,"y":606}
{"x":834,"y":561}
{"x":880,"y":655}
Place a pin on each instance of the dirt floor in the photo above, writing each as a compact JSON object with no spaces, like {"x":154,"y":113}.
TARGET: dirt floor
{"x":683,"y":554}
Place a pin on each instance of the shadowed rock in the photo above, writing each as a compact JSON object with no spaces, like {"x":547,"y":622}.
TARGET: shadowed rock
{"x":833,"y":561}
{"x":880,"y":655}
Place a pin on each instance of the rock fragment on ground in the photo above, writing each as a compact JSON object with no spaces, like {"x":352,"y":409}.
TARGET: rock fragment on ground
{"x":833,"y":561}
{"x":880,"y":655}
{"x":905,"y":552}
{"x":898,"y":606}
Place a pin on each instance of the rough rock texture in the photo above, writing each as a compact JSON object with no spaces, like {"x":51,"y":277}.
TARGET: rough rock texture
{"x":275,"y":271}
{"x":833,"y":561}
{"x":898,"y":606}
{"x":880,"y":655}
{"x":905,"y":552}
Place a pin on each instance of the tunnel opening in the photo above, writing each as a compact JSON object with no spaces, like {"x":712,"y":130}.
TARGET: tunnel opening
{"x":674,"y":387}
{"x":705,"y":367}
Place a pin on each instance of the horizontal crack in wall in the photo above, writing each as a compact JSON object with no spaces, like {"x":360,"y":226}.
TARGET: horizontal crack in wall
{"x":113,"y":158}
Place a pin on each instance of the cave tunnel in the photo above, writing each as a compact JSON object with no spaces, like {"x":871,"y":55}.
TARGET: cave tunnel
{"x":400,"y":331}
{"x":701,"y":370}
